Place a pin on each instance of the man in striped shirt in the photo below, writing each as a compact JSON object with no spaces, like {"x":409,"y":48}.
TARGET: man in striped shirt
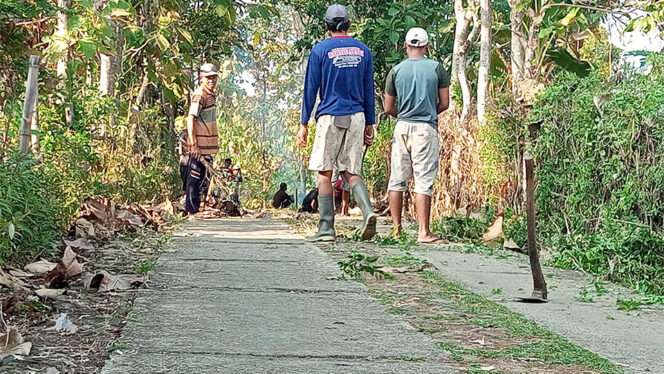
{"x":202,"y":136}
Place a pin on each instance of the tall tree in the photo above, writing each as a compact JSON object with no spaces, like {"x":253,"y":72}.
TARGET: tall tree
{"x":466,"y":31}
{"x":61,"y":33}
{"x":485,"y":60}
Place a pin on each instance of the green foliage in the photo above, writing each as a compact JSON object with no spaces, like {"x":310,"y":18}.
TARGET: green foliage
{"x":601,"y":176}
{"x":358,"y":263}
{"x":145,"y":267}
{"x":632,"y":304}
{"x":463,"y":229}
{"x":406,"y":259}
{"x":405,"y":241}
{"x":30,"y":213}
{"x":515,"y":228}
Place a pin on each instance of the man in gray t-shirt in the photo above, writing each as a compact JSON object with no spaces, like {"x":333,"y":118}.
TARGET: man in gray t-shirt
{"x":416,"y":91}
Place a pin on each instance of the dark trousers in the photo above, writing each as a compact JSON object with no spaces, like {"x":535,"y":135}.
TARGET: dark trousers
{"x":196,"y":183}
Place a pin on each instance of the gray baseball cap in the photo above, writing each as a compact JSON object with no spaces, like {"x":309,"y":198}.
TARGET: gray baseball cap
{"x":336,"y":11}
{"x":208,"y":69}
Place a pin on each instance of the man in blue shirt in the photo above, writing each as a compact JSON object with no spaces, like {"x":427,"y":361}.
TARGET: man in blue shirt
{"x":340,"y":73}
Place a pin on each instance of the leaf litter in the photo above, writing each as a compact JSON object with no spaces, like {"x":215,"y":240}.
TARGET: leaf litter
{"x":69,"y":311}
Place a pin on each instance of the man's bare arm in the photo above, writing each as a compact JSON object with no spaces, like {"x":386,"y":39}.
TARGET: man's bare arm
{"x":443,"y":99}
{"x":389,"y":105}
{"x":191,"y":136}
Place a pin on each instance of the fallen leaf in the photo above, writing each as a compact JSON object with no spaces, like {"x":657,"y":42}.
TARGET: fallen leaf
{"x":98,"y":209}
{"x":80,"y":243}
{"x":64,"y":324}
{"x":68,"y":257}
{"x":49,"y":293}
{"x":66,"y":269}
{"x":21,"y":274}
{"x":10,"y":339}
{"x":168,"y":207}
{"x":12,"y":344}
{"x":103,"y":233}
{"x":165,"y":208}
{"x":104,"y":282}
{"x":495,"y":231}
{"x":129,"y":218}
{"x":22,"y":349}
{"x":481,"y":342}
{"x":40,"y":267}
{"x":405,"y":269}
{"x":259,"y":215}
{"x":488,"y":368}
{"x":84,"y":228}
{"x":10,"y":281}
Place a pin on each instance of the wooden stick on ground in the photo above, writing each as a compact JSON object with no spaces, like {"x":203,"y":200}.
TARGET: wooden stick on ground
{"x":539,"y":284}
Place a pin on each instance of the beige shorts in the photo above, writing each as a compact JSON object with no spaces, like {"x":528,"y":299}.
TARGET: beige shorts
{"x":415,"y":148}
{"x":337,"y":148}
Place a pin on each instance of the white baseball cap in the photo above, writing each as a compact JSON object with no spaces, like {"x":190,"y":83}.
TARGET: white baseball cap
{"x":208,"y":69}
{"x":417,"y":37}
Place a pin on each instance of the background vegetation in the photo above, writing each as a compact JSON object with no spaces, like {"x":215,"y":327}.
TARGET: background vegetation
{"x":115,"y":78}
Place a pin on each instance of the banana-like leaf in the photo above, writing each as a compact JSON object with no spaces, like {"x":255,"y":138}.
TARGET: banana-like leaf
{"x":567,"y":61}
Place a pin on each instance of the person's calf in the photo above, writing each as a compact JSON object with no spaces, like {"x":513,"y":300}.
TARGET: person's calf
{"x":423,"y":210}
{"x":396,"y":206}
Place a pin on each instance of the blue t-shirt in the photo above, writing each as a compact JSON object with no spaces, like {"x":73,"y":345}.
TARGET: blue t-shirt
{"x":340,"y":71}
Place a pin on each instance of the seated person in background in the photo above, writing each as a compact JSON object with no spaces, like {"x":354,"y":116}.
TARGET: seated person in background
{"x":282,"y":199}
{"x":233,"y":173}
{"x":341,"y":196}
{"x":310,"y":202}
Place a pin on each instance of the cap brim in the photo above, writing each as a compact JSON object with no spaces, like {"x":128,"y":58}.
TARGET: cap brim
{"x":209,"y":74}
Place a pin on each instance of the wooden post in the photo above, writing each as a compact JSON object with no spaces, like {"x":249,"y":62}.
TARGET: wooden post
{"x":35,"y":129}
{"x":539,"y":284}
{"x":29,"y":105}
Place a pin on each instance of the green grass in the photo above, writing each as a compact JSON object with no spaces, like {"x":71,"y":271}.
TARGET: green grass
{"x":629,"y":305}
{"x":406,"y":259}
{"x":145,"y":267}
{"x":543,"y":344}
{"x":405,"y":242}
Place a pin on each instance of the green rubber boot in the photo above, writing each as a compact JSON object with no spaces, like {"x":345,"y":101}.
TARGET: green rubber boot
{"x":326,"y":231}
{"x":362,"y":198}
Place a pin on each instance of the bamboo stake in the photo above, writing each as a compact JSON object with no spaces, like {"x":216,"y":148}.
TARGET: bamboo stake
{"x":29,"y":105}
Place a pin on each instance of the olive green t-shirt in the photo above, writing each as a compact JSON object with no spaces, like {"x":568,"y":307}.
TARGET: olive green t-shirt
{"x":415,"y":84}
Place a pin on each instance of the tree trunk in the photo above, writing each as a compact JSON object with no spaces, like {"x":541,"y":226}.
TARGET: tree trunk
{"x":517,"y":47}
{"x":485,"y":60}
{"x":532,"y":44}
{"x":134,"y":111}
{"x":29,"y":104}
{"x":61,"y":69}
{"x":460,"y":34}
{"x":106,"y":75}
{"x":463,"y":39}
{"x":61,"y":33}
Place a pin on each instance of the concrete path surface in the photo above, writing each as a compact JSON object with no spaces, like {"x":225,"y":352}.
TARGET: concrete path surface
{"x":632,"y":340}
{"x":249,"y":296}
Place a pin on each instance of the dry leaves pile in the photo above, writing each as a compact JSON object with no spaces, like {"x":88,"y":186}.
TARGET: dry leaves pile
{"x":39,"y":288}
{"x":101,"y":218}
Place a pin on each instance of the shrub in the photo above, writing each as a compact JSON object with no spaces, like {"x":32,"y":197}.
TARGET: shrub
{"x":601,"y":176}
{"x":30,"y":212}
